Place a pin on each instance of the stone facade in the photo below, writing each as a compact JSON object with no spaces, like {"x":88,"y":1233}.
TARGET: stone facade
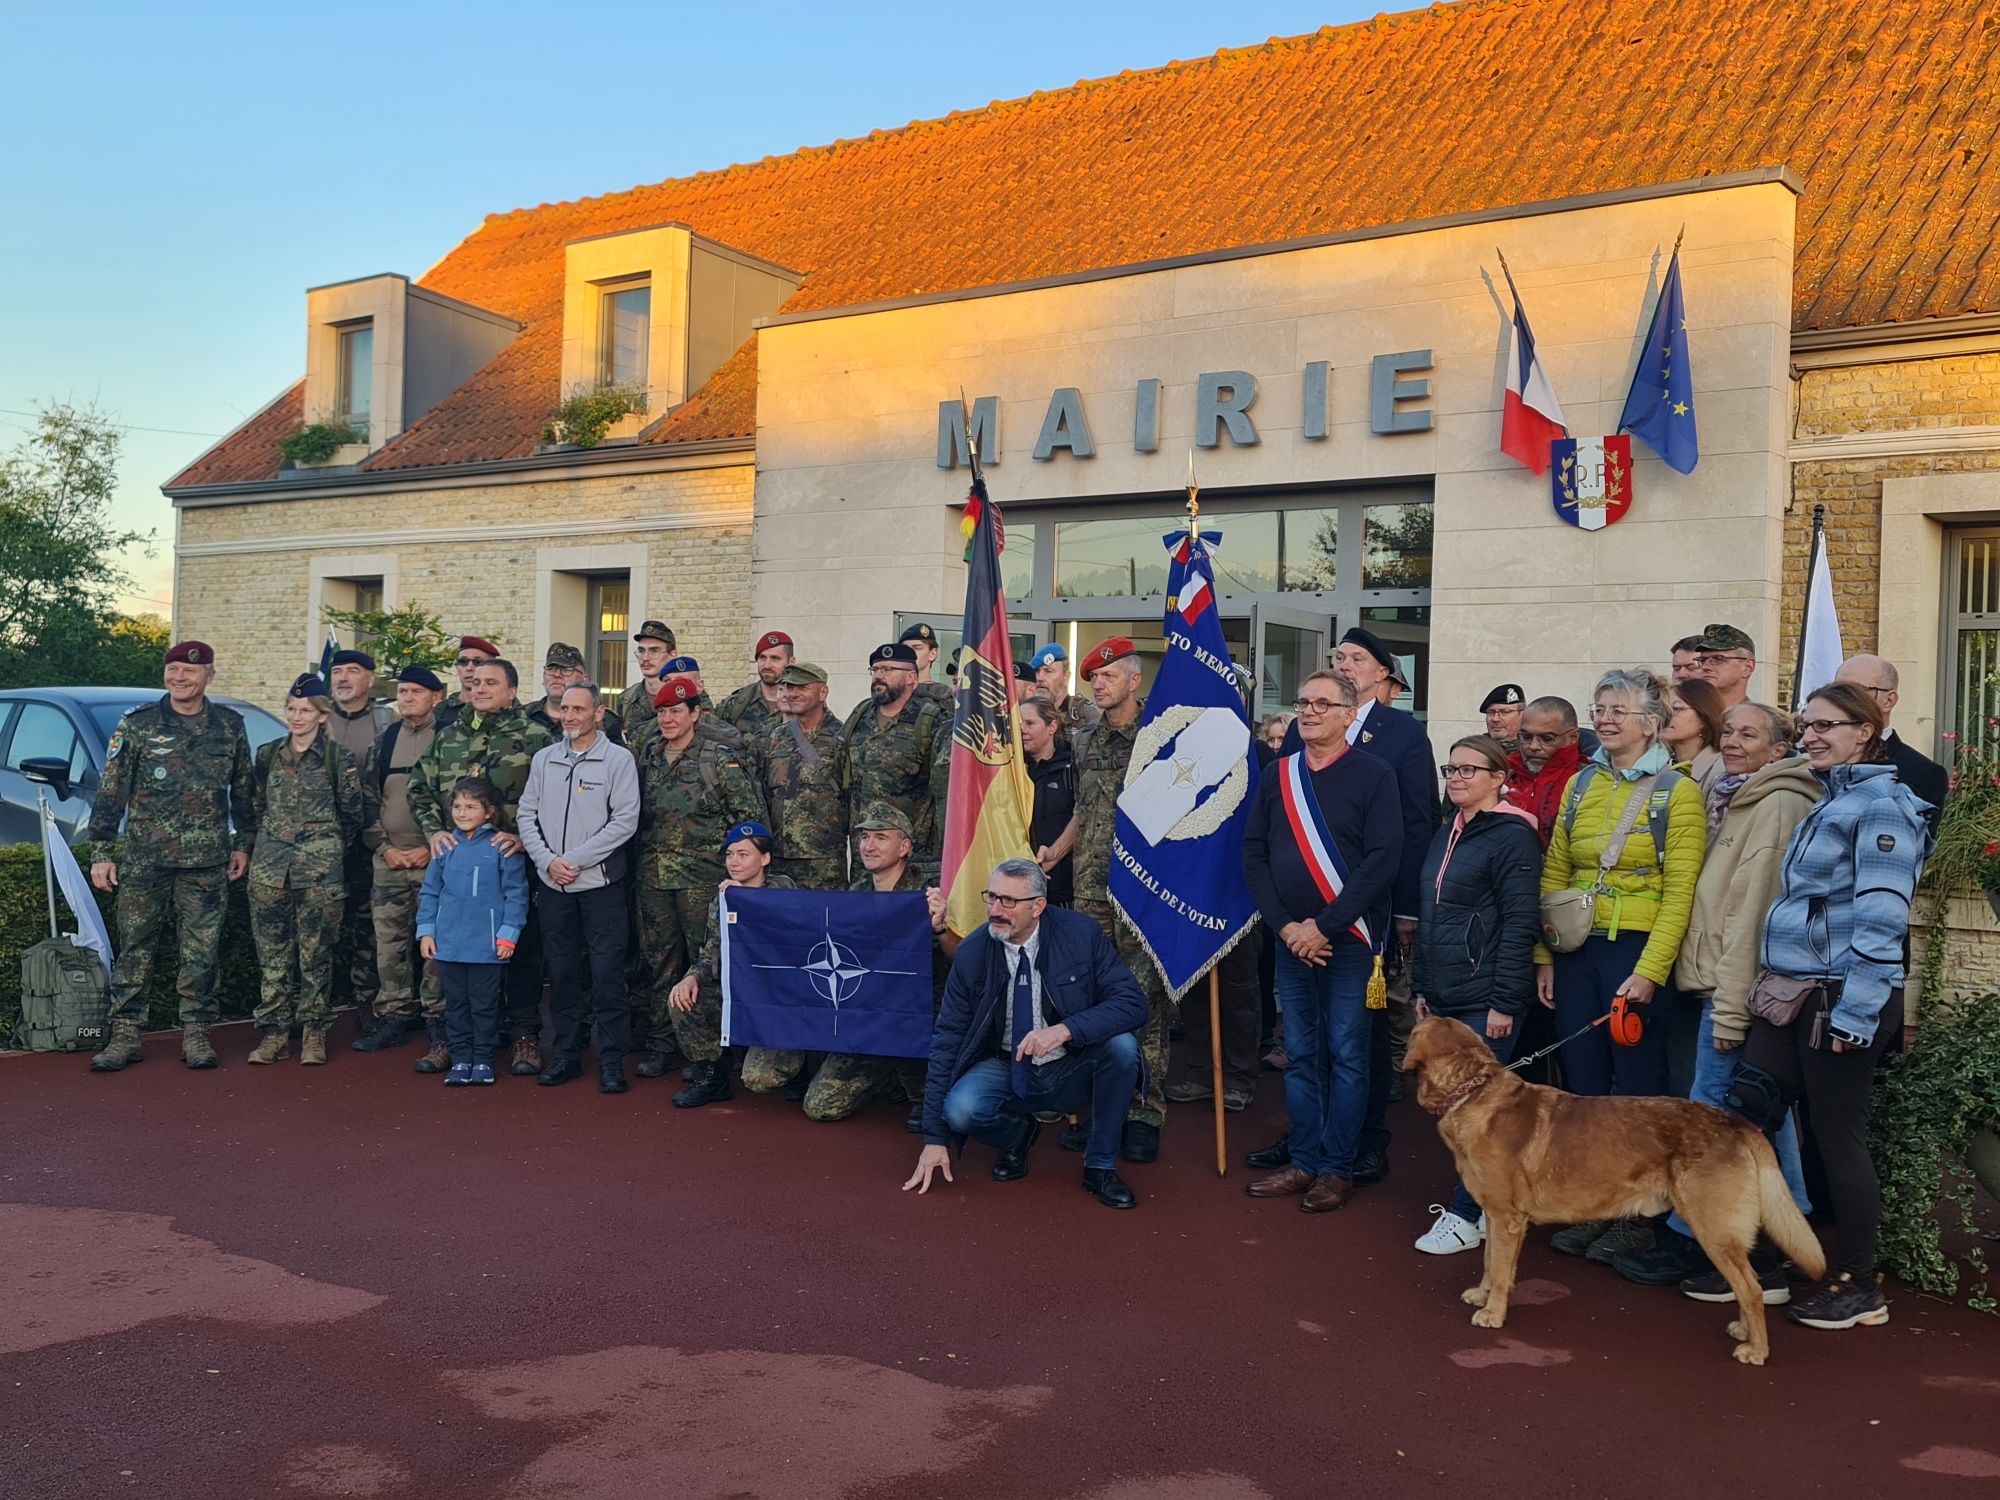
{"x":478,"y":556}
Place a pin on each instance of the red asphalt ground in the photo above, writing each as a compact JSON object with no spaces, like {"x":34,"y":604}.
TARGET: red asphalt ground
{"x":353,"y":1281}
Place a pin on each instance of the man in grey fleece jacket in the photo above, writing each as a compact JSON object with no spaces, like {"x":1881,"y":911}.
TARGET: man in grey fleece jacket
{"x":578,"y":810}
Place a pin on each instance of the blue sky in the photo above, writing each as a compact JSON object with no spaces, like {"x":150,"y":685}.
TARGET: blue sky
{"x":178,"y":175}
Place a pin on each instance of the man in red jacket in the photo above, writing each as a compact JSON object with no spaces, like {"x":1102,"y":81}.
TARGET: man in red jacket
{"x":1542,"y":767}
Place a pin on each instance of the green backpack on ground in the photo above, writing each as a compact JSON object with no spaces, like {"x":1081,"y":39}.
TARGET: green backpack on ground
{"x":64,"y":998}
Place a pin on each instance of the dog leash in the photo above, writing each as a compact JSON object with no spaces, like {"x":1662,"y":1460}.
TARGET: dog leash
{"x":1627,"y":1029}
{"x":1557,"y":1046}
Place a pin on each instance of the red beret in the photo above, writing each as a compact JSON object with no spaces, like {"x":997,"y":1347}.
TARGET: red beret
{"x":677,"y":690}
{"x":481,"y":645}
{"x":1105,"y":653}
{"x":195,"y":653}
{"x":769,"y":639}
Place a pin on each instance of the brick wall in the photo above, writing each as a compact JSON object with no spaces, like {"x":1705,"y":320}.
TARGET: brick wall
{"x":252,"y":605}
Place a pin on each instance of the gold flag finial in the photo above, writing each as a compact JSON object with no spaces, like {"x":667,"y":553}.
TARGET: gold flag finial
{"x":1193,"y":497}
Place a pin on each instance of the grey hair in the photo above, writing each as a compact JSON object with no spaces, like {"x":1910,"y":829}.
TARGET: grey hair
{"x":1647,"y":692}
{"x":1349,"y":693}
{"x":1780,"y":725}
{"x":596,"y":692}
{"x":1028,"y":870}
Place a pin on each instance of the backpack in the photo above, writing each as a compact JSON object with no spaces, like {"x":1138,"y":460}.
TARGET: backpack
{"x":1656,"y":810}
{"x":65,"y":998}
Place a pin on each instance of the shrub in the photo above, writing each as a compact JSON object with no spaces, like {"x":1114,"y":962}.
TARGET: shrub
{"x":315,"y":442}
{"x":586,"y":416}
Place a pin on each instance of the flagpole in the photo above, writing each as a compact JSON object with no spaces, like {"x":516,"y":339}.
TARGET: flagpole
{"x":1805,"y":611}
{"x":1214,"y":979}
{"x":48,"y":862}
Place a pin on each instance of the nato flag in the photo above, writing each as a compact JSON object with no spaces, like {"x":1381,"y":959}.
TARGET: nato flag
{"x":826,"y":971}
{"x":1659,"y":410}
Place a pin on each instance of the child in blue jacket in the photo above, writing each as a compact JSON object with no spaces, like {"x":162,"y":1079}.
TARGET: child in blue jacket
{"x":469,"y":917}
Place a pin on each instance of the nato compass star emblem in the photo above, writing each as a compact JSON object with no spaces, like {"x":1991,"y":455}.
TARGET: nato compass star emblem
{"x":834,"y":970}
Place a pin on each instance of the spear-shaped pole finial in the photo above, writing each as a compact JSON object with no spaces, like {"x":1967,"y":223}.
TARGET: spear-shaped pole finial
{"x":1193,"y":499}
{"x":971,"y":433}
{"x":1678,"y":238}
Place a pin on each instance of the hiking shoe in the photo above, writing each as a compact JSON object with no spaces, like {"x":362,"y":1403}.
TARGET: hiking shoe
{"x":1674,"y":1258}
{"x":438,"y":1059}
{"x":312,"y":1047}
{"x":483,"y":1073}
{"x":276,"y":1046}
{"x":1236,"y":1100}
{"x":1451,"y":1234}
{"x":1191,"y":1091}
{"x":196,"y":1049}
{"x":656,"y":1062}
{"x":1577,"y":1238}
{"x":1841,"y":1302}
{"x":461,"y":1073}
{"x":527,"y":1058}
{"x":1621,"y":1237}
{"x":1714,"y":1287}
{"x":1275,"y":1061}
{"x":390,"y":1031}
{"x":124,"y":1048}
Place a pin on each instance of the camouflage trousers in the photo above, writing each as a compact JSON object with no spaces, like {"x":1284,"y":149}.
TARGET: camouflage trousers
{"x":766,"y":1070}
{"x":359,"y":927}
{"x":296,"y":920}
{"x":1149,"y":1104}
{"x":672,"y":925}
{"x":846,"y":1081}
{"x":829,"y":874}
{"x":197,"y":899}
{"x":392,"y":910}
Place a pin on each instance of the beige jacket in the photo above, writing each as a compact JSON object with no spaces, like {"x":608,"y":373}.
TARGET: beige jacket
{"x":1739,"y":881}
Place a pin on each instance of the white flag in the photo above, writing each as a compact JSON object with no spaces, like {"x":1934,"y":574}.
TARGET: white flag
{"x":90,"y":931}
{"x":1822,"y":655}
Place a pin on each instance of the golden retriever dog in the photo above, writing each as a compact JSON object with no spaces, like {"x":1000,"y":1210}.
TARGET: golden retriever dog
{"x":1533,"y":1155}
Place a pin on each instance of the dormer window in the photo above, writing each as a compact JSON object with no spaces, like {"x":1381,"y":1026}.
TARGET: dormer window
{"x":626,"y":324}
{"x":355,"y":380}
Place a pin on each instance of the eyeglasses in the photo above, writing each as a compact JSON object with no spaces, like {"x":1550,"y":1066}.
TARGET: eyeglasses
{"x":1317,"y":705}
{"x":1528,"y":737}
{"x":1613,"y":713}
{"x":1821,"y":726}
{"x":470,"y":661}
{"x":1006,"y":903}
{"x":1464,"y":773}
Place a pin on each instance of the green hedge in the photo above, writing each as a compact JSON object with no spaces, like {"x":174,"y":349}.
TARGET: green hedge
{"x":24,"y":921}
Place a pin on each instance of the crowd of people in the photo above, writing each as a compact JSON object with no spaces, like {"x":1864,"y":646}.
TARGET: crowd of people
{"x":1737,"y":879}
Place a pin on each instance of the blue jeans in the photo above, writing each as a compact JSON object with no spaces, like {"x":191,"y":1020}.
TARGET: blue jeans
{"x":1328,"y":1028}
{"x":1713,"y":1073}
{"x":1101,"y":1076}
{"x":1592,"y":1063}
{"x":1463,"y":1203}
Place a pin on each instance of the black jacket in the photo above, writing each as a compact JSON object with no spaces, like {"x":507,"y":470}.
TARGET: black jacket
{"x":1475,"y":947}
{"x":1392,"y":736}
{"x":1920,"y":774}
{"x":1357,"y":795}
{"x":1085,"y":985}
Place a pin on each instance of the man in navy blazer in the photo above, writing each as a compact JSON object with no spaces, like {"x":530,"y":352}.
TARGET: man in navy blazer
{"x":1038,"y":1016}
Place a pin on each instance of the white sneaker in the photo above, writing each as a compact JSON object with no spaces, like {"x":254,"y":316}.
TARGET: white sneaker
{"x":1452,"y":1234}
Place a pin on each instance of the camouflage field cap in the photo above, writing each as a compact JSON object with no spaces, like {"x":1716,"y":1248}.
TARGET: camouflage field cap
{"x":563,"y":657}
{"x":654,"y":630}
{"x":1720,"y":638}
{"x":882,"y":818}
{"x":802,"y":674}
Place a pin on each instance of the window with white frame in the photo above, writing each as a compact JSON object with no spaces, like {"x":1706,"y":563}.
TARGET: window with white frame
{"x":354,"y":379}
{"x":624,"y":326}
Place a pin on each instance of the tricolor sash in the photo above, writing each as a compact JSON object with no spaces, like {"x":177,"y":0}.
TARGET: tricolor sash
{"x":1314,"y":839}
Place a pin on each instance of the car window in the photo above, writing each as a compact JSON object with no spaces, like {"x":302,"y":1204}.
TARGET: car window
{"x":106,"y":716}
{"x":259,"y":726}
{"x":44,"y":732}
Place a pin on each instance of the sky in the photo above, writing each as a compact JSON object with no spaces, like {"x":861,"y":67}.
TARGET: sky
{"x":177,"y":176}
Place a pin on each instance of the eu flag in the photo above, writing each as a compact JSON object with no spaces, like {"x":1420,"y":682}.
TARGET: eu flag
{"x":1659,"y":409}
{"x":826,"y":971}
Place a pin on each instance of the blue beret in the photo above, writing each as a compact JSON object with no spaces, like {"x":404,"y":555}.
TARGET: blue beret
{"x":1047,"y":654}
{"x":354,"y":659}
{"x":679,"y":666}
{"x":423,"y":677}
{"x":308,"y":685}
{"x":745,"y":831}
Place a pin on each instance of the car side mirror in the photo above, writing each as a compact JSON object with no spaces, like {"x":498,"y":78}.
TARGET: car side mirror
{"x":50,"y":772}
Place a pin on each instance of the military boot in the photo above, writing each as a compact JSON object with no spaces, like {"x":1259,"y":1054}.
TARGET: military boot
{"x":195,"y":1049}
{"x":438,"y":1059}
{"x":390,"y":1031}
{"x":274,"y":1046}
{"x":708,"y":1085}
{"x":657,"y":1061}
{"x":124,"y":1047}
{"x":312,"y":1047}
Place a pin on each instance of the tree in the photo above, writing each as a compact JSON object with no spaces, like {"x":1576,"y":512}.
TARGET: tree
{"x":410,"y":636}
{"x":59,"y":567}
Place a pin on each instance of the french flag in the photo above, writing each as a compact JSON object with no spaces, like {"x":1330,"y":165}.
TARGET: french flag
{"x":1533,"y":417}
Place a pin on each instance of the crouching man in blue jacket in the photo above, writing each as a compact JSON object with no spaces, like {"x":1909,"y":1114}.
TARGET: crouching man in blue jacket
{"x":1039,"y":1015}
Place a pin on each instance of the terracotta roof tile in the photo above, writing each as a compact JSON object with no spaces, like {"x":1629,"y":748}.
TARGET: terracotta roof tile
{"x":1883,"y":107}
{"x":251,"y":451}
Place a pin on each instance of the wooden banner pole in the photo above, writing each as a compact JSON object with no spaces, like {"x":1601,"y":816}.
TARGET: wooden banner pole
{"x":1215,"y":1067}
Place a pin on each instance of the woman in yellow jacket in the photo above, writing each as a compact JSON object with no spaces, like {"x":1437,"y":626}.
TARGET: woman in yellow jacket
{"x":1646,"y":896}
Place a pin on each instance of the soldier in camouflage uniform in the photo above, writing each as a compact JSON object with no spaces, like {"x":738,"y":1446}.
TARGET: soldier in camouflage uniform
{"x":1050,"y":668}
{"x":697,"y":999}
{"x":357,"y":720}
{"x":923,"y":643}
{"x":709,"y":727}
{"x":309,"y":809}
{"x":892,"y":746}
{"x":692,"y":791}
{"x":652,"y":644}
{"x":563,"y":668}
{"x":800,"y":762}
{"x":1102,"y":751}
{"x":847,"y":1080}
{"x":494,"y":738}
{"x":754,"y":707}
{"x":472,"y":650}
{"x":177,"y":772}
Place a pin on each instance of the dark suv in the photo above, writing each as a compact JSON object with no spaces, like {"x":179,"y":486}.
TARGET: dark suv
{"x":74,"y":725}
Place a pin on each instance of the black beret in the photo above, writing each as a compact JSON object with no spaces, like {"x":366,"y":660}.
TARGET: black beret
{"x":423,"y":677}
{"x":308,"y":685}
{"x":919,"y":632}
{"x":1507,"y":695}
{"x":896,"y":653}
{"x":1371,"y":643}
{"x":354,"y":659}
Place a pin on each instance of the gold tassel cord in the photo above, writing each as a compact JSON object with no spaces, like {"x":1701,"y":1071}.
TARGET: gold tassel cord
{"x":1378,"y":987}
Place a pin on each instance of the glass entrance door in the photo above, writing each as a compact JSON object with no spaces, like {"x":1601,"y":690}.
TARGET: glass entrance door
{"x":1289,"y":644}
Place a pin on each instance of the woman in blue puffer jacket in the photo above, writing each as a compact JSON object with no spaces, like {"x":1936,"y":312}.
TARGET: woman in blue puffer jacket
{"x":1838,"y":926}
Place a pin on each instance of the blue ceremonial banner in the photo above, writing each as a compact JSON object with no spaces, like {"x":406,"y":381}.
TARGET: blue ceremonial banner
{"x":1659,"y":409}
{"x":1177,"y":856}
{"x":826,"y":971}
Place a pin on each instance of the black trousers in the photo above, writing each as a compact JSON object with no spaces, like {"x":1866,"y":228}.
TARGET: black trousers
{"x":585,"y":935}
{"x":1836,"y":1087}
{"x":1242,"y":1014}
{"x":523,"y":1005}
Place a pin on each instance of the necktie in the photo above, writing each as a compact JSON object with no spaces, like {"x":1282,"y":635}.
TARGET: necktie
{"x":1024,"y":1021}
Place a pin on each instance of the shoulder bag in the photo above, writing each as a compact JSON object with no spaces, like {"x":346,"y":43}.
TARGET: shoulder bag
{"x":1570,"y":916}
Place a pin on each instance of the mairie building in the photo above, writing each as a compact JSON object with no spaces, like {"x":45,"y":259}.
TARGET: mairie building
{"x":1278,"y":268}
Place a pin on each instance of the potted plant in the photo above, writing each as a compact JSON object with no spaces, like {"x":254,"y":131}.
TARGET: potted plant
{"x":321,"y":445}
{"x":586,"y":417}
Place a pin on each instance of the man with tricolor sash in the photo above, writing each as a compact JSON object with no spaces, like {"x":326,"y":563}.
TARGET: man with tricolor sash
{"x":1320,"y":855}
